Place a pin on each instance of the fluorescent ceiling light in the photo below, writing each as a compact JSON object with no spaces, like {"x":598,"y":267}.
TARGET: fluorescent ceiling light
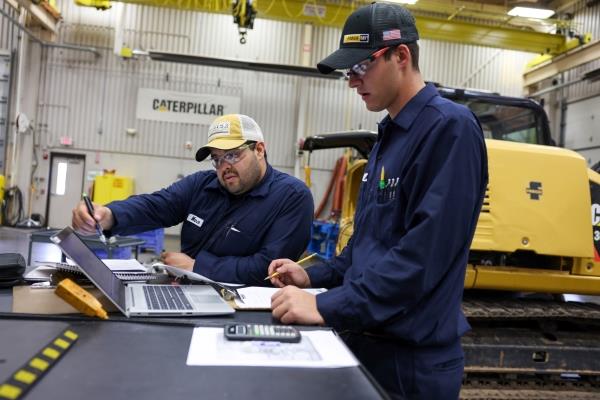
{"x":529,"y":12}
{"x":401,"y":1}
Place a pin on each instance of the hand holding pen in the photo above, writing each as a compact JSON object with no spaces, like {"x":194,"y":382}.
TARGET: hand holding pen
{"x":90,"y":209}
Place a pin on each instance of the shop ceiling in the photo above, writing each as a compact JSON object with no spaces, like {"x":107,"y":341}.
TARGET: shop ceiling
{"x":484,"y":23}
{"x":469,"y":22}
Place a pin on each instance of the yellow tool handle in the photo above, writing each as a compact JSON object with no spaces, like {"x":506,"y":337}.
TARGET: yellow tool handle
{"x":80,"y":298}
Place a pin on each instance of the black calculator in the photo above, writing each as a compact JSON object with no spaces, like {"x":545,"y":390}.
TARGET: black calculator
{"x":277,"y":333}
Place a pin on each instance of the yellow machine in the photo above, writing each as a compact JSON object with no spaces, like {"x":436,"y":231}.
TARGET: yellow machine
{"x":534,"y":232}
{"x":539,"y":227}
{"x":537,"y":238}
{"x":1,"y":198}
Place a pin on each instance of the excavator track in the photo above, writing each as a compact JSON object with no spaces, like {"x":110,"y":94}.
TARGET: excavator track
{"x":526,"y":309}
{"x":525,"y":388}
{"x":525,"y":394}
{"x":531,"y":349}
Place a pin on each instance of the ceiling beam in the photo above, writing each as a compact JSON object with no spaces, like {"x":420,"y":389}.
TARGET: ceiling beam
{"x":491,"y":36}
{"x":495,"y":34}
{"x":574,"y":58}
{"x":286,"y":69}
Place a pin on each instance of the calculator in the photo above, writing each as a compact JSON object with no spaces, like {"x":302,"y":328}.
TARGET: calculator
{"x":265,"y":332}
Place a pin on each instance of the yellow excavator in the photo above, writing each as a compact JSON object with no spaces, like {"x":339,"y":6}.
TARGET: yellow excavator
{"x":538,"y":232}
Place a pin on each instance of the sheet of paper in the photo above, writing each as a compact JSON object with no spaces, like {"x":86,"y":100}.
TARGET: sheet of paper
{"x":193,"y":276}
{"x":259,"y":298}
{"x":40,"y":274}
{"x":124,"y":265}
{"x":317,"y":349}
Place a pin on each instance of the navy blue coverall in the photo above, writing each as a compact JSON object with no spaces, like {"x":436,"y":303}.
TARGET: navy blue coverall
{"x":232,"y":238}
{"x":396,"y":289}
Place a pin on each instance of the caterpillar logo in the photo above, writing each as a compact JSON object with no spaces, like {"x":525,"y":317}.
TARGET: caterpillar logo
{"x":534,"y":190}
{"x":357,"y":38}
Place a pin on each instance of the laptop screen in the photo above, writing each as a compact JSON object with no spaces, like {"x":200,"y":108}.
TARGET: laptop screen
{"x":91,"y":265}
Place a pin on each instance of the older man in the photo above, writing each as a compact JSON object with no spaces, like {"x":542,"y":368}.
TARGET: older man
{"x":236,"y":219}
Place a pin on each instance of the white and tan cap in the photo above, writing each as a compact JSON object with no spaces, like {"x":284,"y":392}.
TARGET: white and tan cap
{"x":228,"y":132}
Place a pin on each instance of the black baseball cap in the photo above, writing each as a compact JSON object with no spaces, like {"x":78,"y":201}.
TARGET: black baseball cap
{"x":368,"y":29}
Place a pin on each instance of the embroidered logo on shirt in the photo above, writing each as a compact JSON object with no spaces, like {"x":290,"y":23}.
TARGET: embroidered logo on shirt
{"x":365,"y":175}
{"x":195,"y":220}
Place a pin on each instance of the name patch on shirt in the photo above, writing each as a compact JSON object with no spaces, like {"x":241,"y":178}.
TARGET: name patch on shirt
{"x":195,"y":220}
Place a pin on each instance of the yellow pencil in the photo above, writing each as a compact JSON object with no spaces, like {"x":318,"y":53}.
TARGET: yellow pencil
{"x":305,"y":259}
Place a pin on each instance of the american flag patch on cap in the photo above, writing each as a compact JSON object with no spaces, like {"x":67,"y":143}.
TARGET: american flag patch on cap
{"x":391,"y":35}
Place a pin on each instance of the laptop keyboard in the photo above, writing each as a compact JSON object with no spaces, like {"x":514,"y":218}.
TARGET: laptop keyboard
{"x":160,"y":297}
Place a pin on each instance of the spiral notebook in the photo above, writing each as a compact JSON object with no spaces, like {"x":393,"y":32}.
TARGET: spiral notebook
{"x":124,"y":275}
{"x":126,"y":270}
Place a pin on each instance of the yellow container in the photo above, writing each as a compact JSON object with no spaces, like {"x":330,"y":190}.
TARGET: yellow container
{"x":1,"y":188}
{"x":109,"y":187}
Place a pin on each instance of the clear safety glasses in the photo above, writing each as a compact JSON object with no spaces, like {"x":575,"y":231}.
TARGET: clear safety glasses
{"x":232,"y":156}
{"x":361,"y":68}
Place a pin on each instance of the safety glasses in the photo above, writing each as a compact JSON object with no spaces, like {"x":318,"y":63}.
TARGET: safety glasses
{"x":361,"y":68}
{"x":232,"y":156}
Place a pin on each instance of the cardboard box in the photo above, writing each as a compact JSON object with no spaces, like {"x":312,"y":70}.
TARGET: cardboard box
{"x":30,"y":300}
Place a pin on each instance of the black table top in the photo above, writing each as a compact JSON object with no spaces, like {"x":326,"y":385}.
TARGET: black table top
{"x":146,"y":358}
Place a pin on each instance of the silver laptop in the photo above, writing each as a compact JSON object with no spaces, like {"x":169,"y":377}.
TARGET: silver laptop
{"x":141,"y":299}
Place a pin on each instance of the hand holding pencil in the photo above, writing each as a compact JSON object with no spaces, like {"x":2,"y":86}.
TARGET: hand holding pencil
{"x":283,"y":272}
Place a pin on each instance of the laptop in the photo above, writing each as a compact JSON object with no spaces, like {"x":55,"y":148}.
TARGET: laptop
{"x":140,"y":299}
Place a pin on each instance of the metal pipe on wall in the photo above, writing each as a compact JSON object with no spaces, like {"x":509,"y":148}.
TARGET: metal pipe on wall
{"x":14,"y":160}
{"x":119,"y":26}
{"x":302,"y":115}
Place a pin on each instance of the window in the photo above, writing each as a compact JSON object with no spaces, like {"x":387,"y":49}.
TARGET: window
{"x":61,"y":178}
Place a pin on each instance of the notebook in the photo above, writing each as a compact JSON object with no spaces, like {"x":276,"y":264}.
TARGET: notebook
{"x":44,"y":272}
{"x":138,"y":299}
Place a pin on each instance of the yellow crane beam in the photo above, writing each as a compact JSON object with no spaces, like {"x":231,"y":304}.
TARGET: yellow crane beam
{"x":451,"y":28}
{"x":574,"y":58}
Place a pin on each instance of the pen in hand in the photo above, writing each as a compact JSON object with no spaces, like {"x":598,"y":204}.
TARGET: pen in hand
{"x":305,"y":259}
{"x":90,"y":208}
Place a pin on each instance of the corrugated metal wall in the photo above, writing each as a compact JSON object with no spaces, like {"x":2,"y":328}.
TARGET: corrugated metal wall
{"x":93,"y":101}
{"x":9,"y":42}
{"x":578,"y":127}
{"x":8,"y":31}
{"x":586,"y":20}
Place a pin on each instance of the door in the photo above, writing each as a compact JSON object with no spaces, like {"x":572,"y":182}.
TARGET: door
{"x":66,"y":186}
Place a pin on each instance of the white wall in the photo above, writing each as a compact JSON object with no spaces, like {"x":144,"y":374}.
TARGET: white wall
{"x":582,"y":131}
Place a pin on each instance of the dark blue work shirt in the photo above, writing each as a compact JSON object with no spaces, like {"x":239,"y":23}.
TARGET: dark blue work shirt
{"x":231,"y":238}
{"x":402,"y":272}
